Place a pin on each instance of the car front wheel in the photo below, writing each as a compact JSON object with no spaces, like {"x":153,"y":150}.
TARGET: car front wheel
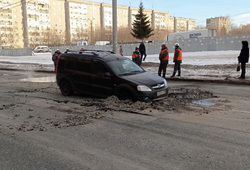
{"x":124,"y":94}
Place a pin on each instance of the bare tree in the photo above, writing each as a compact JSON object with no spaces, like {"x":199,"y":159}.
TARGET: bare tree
{"x":200,"y":27}
{"x":81,"y":34}
{"x":51,"y":37}
{"x":100,"y":34}
{"x":124,"y":36}
{"x":242,"y":29}
{"x":222,"y":31}
{"x":7,"y":37}
{"x":246,"y":28}
{"x":159,"y":34}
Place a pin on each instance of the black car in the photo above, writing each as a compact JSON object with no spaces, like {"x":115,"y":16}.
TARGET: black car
{"x":104,"y":73}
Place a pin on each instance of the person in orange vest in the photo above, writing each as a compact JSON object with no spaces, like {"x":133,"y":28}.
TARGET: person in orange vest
{"x":136,"y":57}
{"x":177,"y":60}
{"x":163,"y":57}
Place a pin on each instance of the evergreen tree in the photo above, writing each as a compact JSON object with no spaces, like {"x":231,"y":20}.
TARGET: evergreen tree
{"x":141,"y":26}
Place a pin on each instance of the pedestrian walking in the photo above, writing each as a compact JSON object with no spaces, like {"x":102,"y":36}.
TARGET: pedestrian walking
{"x":243,"y":58}
{"x":136,"y":57}
{"x":177,"y":60}
{"x":142,"y":50}
{"x":163,"y":57}
{"x":55,"y":57}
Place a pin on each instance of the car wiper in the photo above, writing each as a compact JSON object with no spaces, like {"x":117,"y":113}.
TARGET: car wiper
{"x":136,"y":71}
{"x":130,"y":73}
{"x":124,"y":74}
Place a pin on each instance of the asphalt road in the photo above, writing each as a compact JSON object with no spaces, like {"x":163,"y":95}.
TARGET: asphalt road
{"x":123,"y":140}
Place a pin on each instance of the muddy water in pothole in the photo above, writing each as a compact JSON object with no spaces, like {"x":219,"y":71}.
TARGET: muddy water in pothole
{"x":203,"y":103}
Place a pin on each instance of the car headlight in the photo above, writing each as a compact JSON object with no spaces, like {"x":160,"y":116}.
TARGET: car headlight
{"x":165,"y":83}
{"x":143,"y":88}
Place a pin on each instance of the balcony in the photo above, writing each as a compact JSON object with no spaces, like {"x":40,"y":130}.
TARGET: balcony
{"x":44,"y":9}
{"x":2,"y":22}
{"x":32,"y":16}
{"x":34,"y":34}
{"x":6,"y":29}
{"x":5,"y":17}
{"x":7,"y":10}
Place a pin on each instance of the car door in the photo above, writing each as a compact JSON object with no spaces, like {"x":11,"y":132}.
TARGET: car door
{"x":82,"y":75}
{"x":102,"y":79}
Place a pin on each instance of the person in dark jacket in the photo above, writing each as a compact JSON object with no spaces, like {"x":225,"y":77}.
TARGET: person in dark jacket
{"x":142,"y":50}
{"x":136,"y":57}
{"x":177,"y":60}
{"x":243,"y":58}
{"x":163,"y":57}
{"x":55,"y":57}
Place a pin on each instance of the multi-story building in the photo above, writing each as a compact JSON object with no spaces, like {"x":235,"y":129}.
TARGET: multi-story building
{"x":17,"y":24}
{"x":26,"y":23}
{"x":37,"y":18}
{"x":160,"y":20}
{"x":6,"y":23}
{"x":220,"y":24}
{"x":181,"y":24}
{"x":76,"y":20}
{"x":57,"y":17}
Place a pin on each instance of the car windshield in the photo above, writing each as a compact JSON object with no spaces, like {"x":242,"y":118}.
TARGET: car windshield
{"x":124,"y":67}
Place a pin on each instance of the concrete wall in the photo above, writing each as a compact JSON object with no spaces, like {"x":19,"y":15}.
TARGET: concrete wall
{"x":212,"y":43}
{"x":16,"y":52}
{"x":189,"y":45}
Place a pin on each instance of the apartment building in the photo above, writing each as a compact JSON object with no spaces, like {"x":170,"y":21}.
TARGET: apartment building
{"x":57,"y":17}
{"x":27,"y":23}
{"x":76,"y":15}
{"x":220,"y":24}
{"x":6,"y":23}
{"x":160,"y":19}
{"x":37,"y":19}
{"x":181,"y":24}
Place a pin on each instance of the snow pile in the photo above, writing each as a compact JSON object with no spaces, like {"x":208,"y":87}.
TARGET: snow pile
{"x":212,"y":65}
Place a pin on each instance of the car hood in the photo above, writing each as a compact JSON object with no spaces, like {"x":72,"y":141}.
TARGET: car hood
{"x":144,"y":78}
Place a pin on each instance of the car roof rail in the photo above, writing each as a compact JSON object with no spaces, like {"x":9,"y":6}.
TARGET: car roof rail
{"x":86,"y":50}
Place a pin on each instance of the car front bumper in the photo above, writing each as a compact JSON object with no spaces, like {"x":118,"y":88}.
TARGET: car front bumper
{"x":152,"y":95}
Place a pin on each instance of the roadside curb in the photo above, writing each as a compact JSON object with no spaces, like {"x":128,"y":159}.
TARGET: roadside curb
{"x":15,"y":69}
{"x":223,"y":81}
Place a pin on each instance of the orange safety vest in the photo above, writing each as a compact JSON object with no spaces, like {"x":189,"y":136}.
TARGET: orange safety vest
{"x":167,"y":57}
{"x":134,"y":55}
{"x":179,"y":57}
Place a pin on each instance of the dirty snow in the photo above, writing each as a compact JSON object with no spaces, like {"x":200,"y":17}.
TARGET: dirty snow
{"x":192,"y":58}
{"x":212,"y":65}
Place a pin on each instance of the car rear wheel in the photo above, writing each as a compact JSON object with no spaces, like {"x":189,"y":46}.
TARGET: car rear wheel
{"x":66,"y":88}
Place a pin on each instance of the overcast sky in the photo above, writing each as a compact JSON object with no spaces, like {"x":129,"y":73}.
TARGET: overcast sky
{"x":237,"y":10}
